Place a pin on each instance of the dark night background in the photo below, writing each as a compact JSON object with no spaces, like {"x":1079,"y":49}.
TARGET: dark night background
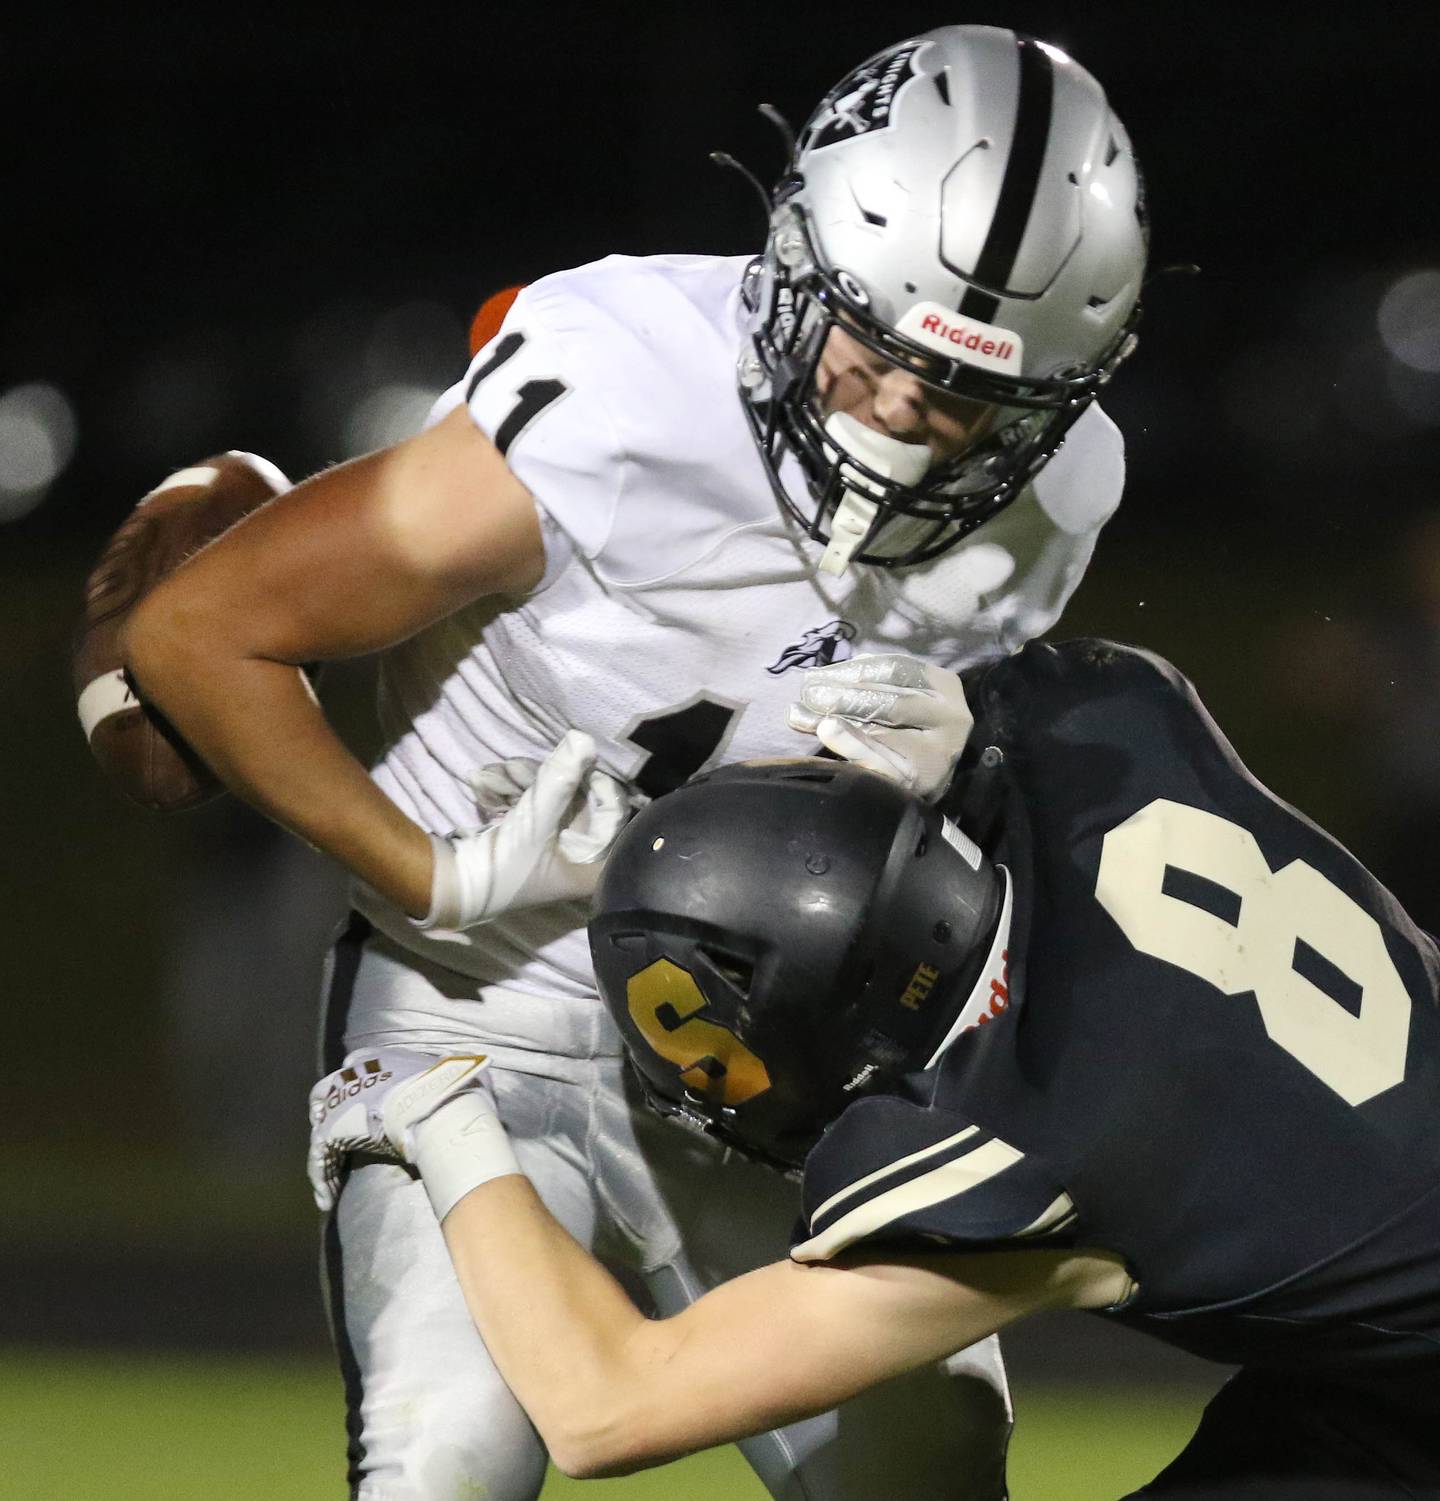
{"x":270,"y":233}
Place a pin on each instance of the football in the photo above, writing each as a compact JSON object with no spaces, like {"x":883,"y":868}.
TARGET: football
{"x":130,"y":739}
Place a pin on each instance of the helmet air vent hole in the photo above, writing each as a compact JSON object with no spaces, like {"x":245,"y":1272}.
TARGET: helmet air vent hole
{"x":1112,"y":151}
{"x":738,"y":971}
{"x":810,"y":776}
{"x":628,"y":942}
{"x":942,"y":84}
{"x":911,"y":287}
{"x":842,"y":276}
{"x":1096,"y":301}
{"x":923,"y":843}
{"x":1071,"y":178}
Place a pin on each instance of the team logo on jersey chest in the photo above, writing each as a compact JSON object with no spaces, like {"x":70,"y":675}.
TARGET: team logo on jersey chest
{"x":818,"y":647}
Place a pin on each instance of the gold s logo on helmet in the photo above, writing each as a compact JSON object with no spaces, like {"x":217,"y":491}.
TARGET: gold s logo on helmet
{"x":663,"y":999}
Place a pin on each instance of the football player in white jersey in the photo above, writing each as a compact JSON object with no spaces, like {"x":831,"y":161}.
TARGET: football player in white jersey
{"x":585,"y":592}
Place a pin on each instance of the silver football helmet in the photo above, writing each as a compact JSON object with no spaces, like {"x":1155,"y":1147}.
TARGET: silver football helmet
{"x":964,"y":206}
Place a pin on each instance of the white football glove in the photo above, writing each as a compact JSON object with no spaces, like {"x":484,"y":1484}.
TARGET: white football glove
{"x":555,"y":821}
{"x":893,"y":714}
{"x":436,"y":1113}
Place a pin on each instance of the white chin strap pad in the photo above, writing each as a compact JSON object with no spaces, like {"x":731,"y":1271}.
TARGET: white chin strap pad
{"x":849,"y":527}
{"x":905,"y":463}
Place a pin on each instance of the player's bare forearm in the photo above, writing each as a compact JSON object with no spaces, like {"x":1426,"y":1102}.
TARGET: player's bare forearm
{"x":611,"y":1391}
{"x":561,"y":1330}
{"x":353,"y":560}
{"x":257,"y":726}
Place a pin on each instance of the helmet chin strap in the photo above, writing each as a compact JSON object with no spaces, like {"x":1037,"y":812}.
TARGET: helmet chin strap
{"x":855,"y":515}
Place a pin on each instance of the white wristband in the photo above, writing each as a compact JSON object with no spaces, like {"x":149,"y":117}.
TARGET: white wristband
{"x":445,"y":907}
{"x":460,"y":1147}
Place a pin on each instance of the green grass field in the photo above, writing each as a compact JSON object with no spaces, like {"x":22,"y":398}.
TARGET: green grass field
{"x":111,"y":1428}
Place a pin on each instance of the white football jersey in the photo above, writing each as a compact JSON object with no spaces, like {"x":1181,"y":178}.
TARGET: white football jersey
{"x":679,"y":604}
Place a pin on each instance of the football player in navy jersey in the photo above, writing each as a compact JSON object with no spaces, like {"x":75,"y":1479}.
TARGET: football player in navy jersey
{"x":1111,"y":1028}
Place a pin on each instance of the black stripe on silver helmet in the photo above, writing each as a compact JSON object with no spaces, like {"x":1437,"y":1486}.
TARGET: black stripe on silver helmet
{"x":966,"y":206}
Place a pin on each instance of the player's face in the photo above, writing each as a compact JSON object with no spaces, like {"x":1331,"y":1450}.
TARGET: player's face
{"x":893,"y":400}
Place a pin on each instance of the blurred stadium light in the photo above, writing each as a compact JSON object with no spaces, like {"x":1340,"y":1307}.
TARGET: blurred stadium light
{"x":1409,"y":320}
{"x":411,"y":354}
{"x":368,"y":376}
{"x":386,"y":415}
{"x":37,"y":438}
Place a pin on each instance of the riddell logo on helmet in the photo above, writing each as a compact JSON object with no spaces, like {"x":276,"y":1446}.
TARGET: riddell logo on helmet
{"x":966,"y":336}
{"x":937,"y":327}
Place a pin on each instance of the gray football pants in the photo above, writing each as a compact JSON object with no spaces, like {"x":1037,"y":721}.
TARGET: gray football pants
{"x":671,"y":1213}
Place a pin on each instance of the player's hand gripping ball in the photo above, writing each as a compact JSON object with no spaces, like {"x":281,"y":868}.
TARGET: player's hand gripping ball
{"x":131,"y":740}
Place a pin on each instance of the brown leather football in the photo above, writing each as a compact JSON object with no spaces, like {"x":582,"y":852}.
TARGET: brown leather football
{"x":130,"y":739}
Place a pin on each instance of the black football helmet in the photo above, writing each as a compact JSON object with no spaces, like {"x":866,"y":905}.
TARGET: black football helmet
{"x":777,"y":937}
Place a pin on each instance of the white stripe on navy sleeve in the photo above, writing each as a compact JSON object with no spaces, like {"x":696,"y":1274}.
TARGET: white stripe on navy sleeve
{"x":947,"y":1181}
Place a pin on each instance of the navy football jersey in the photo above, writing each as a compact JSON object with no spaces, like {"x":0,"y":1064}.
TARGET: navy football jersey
{"x":1221,"y":1054}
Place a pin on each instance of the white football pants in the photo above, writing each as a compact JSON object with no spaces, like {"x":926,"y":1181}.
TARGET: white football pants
{"x":669,"y":1211}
